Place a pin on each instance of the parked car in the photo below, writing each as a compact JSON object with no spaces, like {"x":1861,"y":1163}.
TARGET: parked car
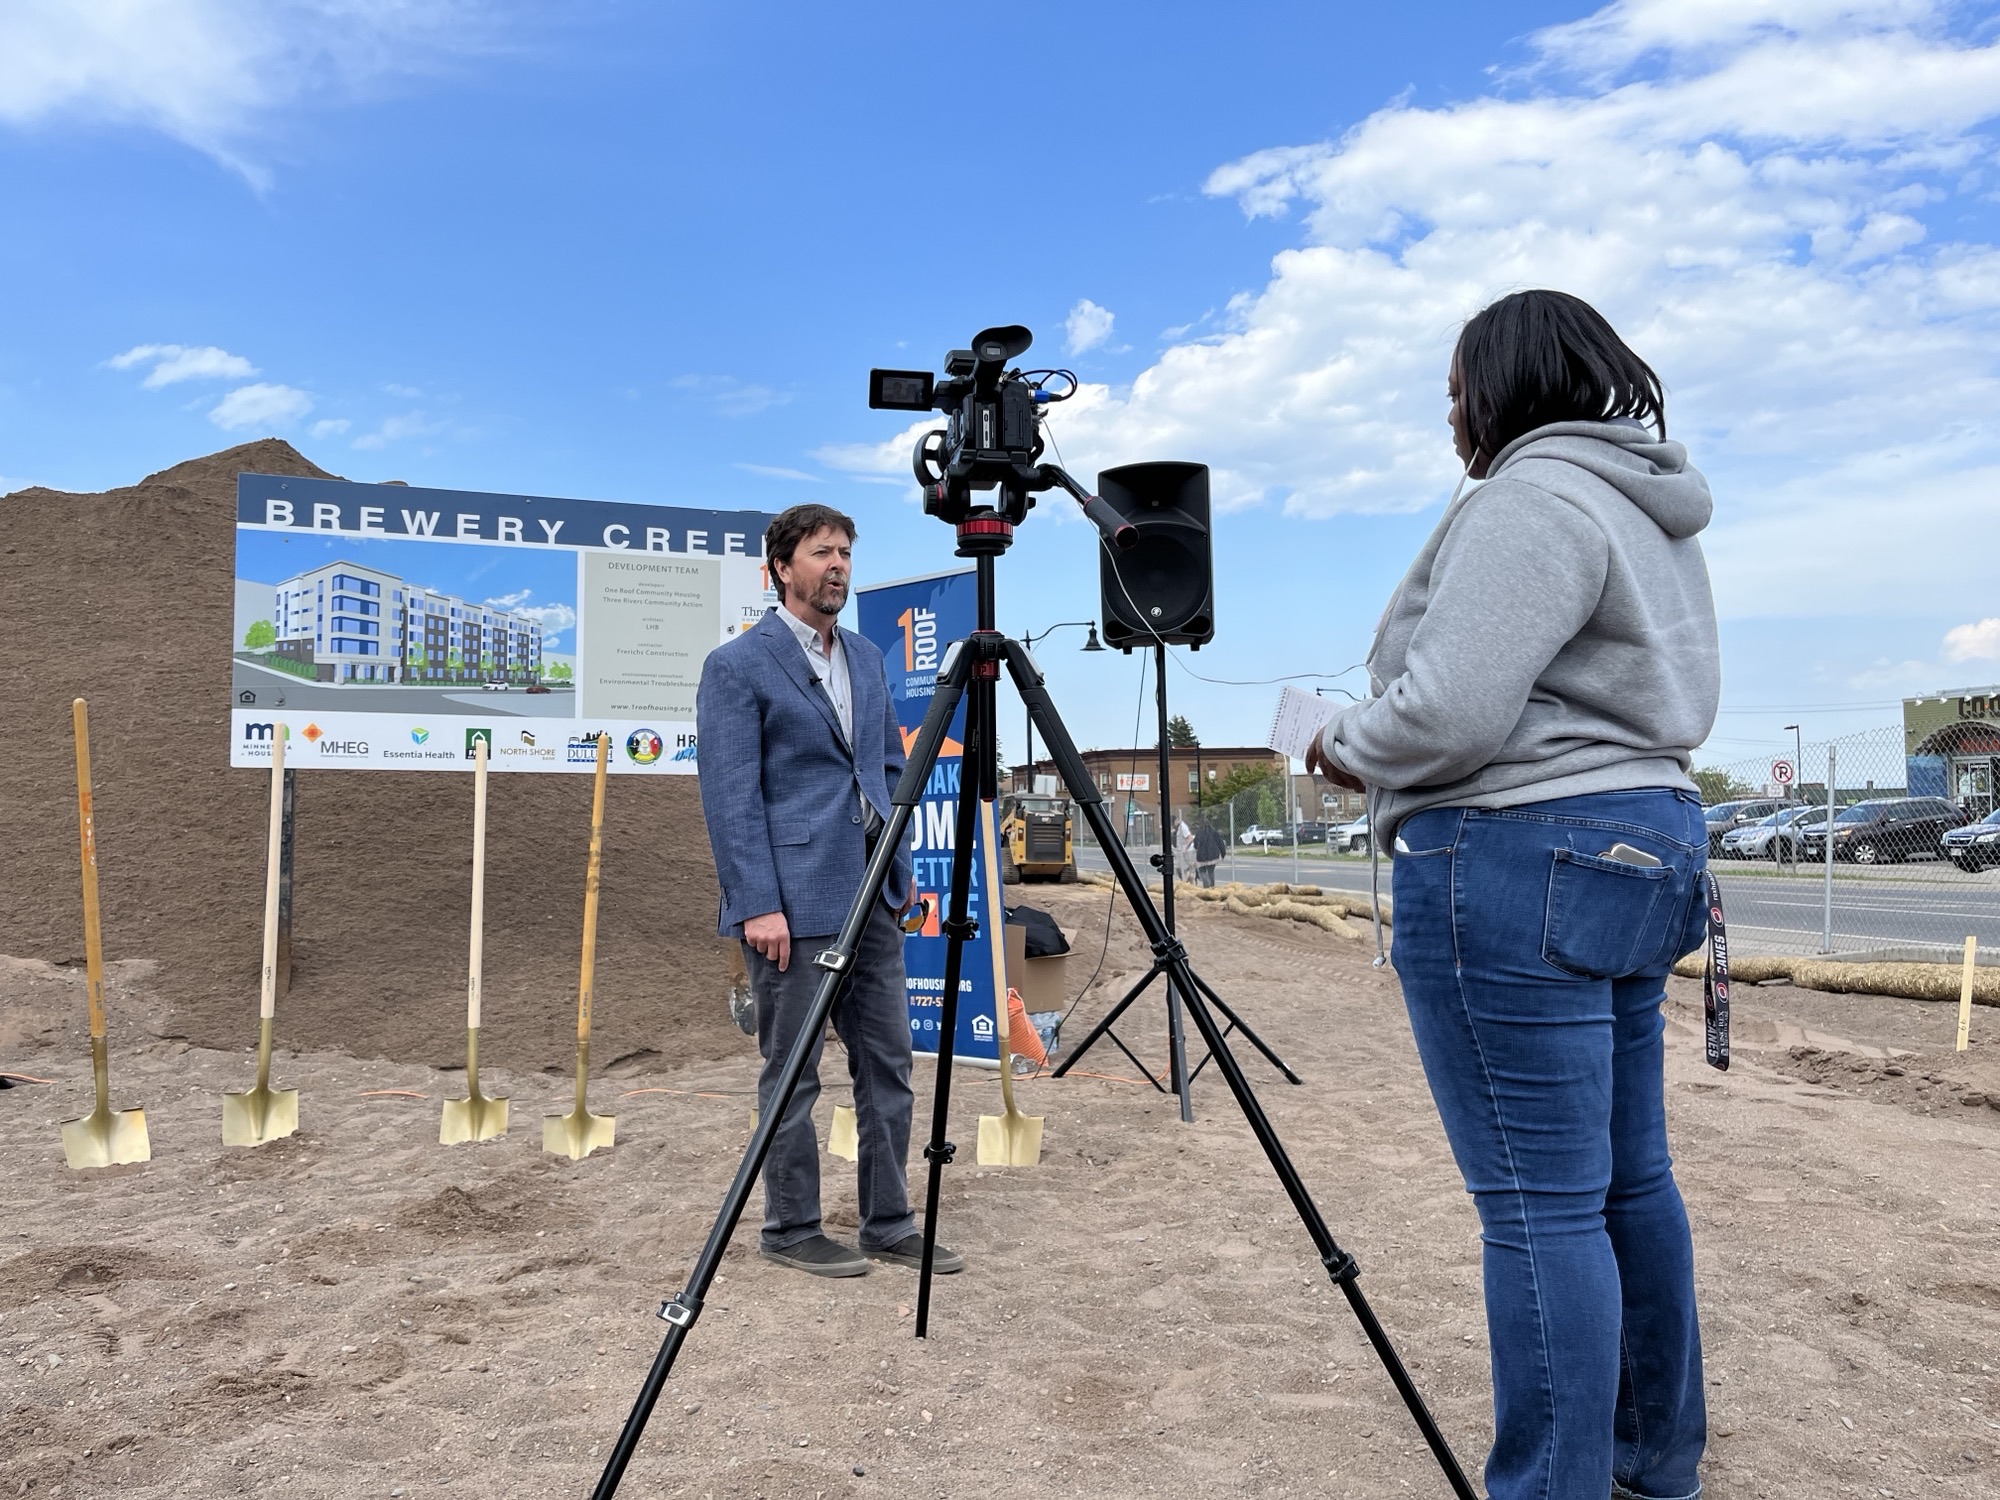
{"x":1974,"y":846}
{"x":1725,"y":817}
{"x":1775,"y":837}
{"x":495,"y":686}
{"x":538,"y":687}
{"x":1257,"y":834}
{"x":1306,"y":833}
{"x":1353,"y":837}
{"x":1884,"y":831}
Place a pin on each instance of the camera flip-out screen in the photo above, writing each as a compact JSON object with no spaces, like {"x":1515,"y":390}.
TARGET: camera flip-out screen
{"x":900,"y":390}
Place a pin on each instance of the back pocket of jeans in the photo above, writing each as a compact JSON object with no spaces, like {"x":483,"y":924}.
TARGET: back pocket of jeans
{"x":1603,"y":914}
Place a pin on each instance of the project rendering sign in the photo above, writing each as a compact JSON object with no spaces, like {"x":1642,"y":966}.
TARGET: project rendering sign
{"x":380,"y":626}
{"x":913,"y":621}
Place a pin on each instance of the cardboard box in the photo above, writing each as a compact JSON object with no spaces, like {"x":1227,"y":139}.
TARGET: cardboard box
{"x":1040,"y":980}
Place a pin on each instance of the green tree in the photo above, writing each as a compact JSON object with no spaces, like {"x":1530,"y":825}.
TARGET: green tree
{"x":455,"y":662}
{"x":261,"y":635}
{"x":1270,"y":811}
{"x":1228,"y":788}
{"x":1717,"y":785}
{"x":1180,"y":733}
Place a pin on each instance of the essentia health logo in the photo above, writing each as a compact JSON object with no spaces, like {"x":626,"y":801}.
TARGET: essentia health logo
{"x":419,"y":735}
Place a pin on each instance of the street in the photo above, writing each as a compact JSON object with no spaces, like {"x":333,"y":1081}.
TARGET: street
{"x":1925,"y":902}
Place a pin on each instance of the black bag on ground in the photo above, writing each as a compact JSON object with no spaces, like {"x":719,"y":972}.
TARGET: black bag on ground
{"x":1045,"y":938}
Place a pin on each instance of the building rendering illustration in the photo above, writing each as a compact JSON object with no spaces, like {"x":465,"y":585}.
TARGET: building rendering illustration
{"x":351,"y":623}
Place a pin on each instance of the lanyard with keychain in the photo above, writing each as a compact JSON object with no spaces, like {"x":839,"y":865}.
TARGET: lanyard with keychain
{"x":1715,"y":983}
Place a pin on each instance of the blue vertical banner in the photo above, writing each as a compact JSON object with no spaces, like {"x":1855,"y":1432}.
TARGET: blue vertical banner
{"x":913,"y":620}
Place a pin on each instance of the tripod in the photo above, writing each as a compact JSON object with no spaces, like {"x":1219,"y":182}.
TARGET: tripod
{"x":971,"y":674}
{"x":1177,"y":1068}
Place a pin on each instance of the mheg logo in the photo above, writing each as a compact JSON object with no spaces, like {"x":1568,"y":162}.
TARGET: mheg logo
{"x":338,"y":748}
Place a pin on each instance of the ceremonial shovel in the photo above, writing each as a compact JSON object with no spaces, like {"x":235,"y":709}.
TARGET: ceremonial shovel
{"x":265,"y":1114}
{"x":475,"y":1118}
{"x":105,"y":1137}
{"x":580,"y":1132}
{"x":1012,"y":1139}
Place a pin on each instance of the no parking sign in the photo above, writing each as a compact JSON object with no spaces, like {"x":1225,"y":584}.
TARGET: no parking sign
{"x":1784,"y":772}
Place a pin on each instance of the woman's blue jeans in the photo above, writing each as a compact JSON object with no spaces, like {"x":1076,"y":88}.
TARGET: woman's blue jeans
{"x":1534,"y":968}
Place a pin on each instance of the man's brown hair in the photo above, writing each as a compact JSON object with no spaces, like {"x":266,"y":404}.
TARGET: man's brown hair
{"x":783,"y":536}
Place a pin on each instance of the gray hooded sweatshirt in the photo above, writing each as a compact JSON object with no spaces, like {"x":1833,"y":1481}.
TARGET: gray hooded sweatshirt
{"x":1556,"y":635}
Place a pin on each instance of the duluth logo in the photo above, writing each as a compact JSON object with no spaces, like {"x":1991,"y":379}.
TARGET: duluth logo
{"x":582,"y":750}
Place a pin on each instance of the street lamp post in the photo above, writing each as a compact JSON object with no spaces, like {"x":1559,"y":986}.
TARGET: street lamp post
{"x":1798,"y":779}
{"x":1092,"y":644}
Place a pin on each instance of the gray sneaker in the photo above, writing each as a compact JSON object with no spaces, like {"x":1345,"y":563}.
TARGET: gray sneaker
{"x":909,"y":1251}
{"x":819,"y":1256}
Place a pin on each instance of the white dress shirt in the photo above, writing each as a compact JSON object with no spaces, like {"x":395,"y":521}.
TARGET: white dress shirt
{"x":829,"y":669}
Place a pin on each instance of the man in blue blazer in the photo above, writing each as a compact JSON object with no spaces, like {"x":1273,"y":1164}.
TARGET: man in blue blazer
{"x":799,"y":748}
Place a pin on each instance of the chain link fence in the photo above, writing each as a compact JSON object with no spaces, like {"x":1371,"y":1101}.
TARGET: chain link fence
{"x":1856,"y":848}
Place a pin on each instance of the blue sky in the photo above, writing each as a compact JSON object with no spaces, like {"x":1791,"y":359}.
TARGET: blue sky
{"x":646,"y":252}
{"x":538,"y":581}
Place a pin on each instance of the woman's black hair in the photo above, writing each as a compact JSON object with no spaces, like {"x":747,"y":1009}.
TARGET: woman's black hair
{"x":1538,"y":357}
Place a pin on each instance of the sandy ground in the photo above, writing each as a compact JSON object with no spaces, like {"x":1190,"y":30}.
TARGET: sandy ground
{"x":358,"y":1311}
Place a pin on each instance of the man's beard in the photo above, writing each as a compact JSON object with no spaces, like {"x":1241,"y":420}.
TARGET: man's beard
{"x":830,"y":598}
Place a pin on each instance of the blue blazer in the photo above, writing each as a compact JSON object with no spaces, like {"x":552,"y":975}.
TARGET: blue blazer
{"x":779,"y":785}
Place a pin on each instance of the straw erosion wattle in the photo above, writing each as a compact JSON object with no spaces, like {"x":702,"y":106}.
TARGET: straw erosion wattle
{"x":125,"y":598}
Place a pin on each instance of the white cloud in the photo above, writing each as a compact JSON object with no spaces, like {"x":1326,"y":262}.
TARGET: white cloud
{"x":216,"y":73}
{"x":395,"y":429}
{"x":330,"y":427}
{"x":773,"y":471}
{"x":1775,"y":201}
{"x":730,"y":396}
{"x":260,"y":405}
{"x":553,"y":618}
{"x":173,"y":363}
{"x":1087,"y":326}
{"x":1979,"y":641}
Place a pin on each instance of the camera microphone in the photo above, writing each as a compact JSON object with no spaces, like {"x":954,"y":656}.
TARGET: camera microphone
{"x":1122,"y":533}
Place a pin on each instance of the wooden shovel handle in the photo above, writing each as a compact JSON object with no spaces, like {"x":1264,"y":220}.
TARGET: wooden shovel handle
{"x":267,"y":997}
{"x":590,"y":885}
{"x":476,"y":965}
{"x":93,"y":935}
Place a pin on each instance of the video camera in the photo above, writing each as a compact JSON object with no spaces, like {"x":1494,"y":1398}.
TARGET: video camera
{"x":992,"y":438}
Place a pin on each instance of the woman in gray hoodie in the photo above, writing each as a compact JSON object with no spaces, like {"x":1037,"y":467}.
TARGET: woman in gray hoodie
{"x":1540,"y":681}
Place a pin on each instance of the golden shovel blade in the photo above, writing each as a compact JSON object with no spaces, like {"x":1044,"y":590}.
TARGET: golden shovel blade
{"x":474,"y":1118}
{"x":1010,"y":1140}
{"x":259,"y":1116}
{"x":842,"y":1138}
{"x":578,"y":1133}
{"x":107,"y":1138}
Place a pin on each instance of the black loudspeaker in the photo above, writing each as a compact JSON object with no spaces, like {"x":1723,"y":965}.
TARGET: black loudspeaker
{"x":1164,"y":588}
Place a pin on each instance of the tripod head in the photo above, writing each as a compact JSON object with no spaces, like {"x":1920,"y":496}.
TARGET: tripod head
{"x":991,"y":442}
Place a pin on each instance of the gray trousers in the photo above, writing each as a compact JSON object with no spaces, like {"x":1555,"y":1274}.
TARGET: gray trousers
{"x":873,"y":1023}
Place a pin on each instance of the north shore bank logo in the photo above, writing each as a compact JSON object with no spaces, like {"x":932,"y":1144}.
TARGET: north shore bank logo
{"x":528,"y":738}
{"x":644,"y":746}
{"x":419,"y":735}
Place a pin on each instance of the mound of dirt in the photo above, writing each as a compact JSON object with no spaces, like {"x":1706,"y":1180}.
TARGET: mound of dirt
{"x":125,"y":598}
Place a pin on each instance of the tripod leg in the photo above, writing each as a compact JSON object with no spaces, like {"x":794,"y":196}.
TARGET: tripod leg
{"x":958,"y":929}
{"x":1237,"y":1023}
{"x":681,"y":1310}
{"x":1103,"y":1028}
{"x":1083,"y":791}
{"x":1340,"y":1266}
{"x":1173,"y":960}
